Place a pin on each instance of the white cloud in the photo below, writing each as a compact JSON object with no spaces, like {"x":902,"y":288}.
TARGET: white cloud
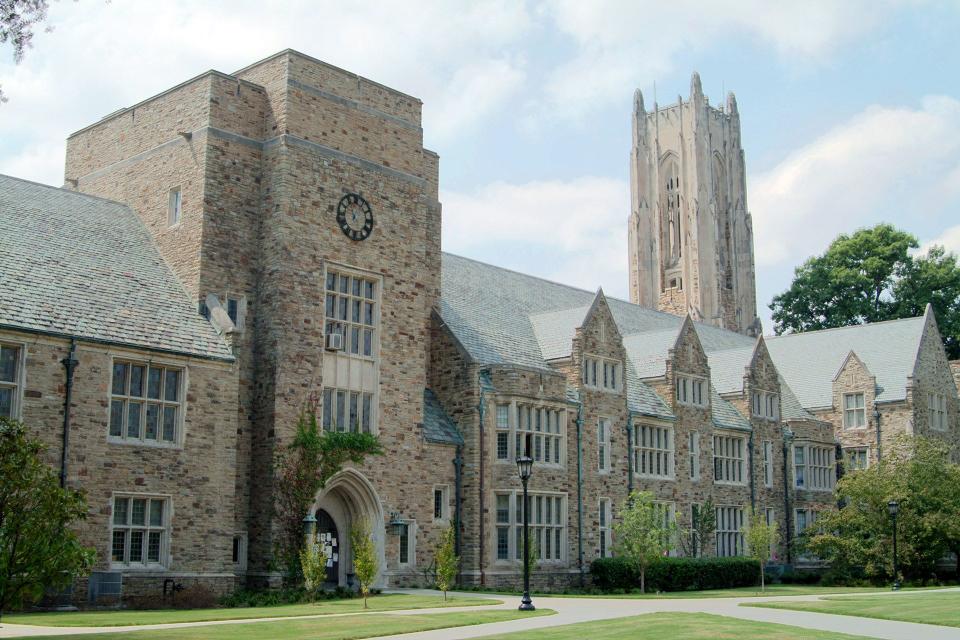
{"x":569,"y":231}
{"x":103,"y":56}
{"x":949,"y":240}
{"x":893,"y":163}
{"x":629,"y":43}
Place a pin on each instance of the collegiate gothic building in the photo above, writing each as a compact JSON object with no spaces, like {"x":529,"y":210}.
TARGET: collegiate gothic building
{"x":240,"y":247}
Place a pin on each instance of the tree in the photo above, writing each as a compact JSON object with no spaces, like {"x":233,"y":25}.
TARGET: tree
{"x":38,"y":550}
{"x":313,"y":563}
{"x":643,"y":532}
{"x":17,"y":20}
{"x":760,"y":537}
{"x":870,"y":276}
{"x":447,"y":560}
{"x":918,"y":474}
{"x":303,"y":468}
{"x":366,"y":565}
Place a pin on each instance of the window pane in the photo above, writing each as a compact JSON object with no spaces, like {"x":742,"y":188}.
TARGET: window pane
{"x":344,"y":284}
{"x":120,"y":510}
{"x":354,"y":340}
{"x":327,"y":408}
{"x":6,"y":402}
{"x":356,"y":286}
{"x":341,"y":411}
{"x":367,"y":342}
{"x":171,"y":387}
{"x":136,"y":546}
{"x":331,"y":306}
{"x":153,"y":547}
{"x":119,"y":540}
{"x":138,"y":514}
{"x":116,"y":418}
{"x":355,"y":316}
{"x":8,"y":363}
{"x":136,"y":380}
{"x":368,"y":290}
{"x":503,"y":508}
{"x":134,"y":411}
{"x":368,"y":313}
{"x":156,"y":513}
{"x":367,"y":410}
{"x":153,"y":421}
{"x":153,"y":383}
{"x":354,"y":417}
{"x":331,"y":282}
{"x":120,"y":378}
{"x":169,"y":423}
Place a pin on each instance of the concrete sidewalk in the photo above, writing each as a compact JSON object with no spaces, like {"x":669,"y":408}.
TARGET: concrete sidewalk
{"x":574,"y":610}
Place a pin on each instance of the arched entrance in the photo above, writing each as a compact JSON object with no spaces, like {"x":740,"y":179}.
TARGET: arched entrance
{"x":347,"y":498}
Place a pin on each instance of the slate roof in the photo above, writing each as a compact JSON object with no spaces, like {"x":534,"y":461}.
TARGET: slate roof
{"x":728,"y":367}
{"x":437,"y":425}
{"x":87,"y":267}
{"x":810,"y":361}
{"x":725,"y":415}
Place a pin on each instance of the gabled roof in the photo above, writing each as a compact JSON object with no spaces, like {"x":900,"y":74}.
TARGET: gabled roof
{"x":83,"y":266}
{"x":728,"y":367}
{"x":438,"y":427}
{"x":725,"y":415}
{"x":809,"y":361}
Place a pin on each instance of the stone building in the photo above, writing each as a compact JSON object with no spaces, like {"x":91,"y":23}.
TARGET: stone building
{"x":690,"y":233}
{"x":243,"y":246}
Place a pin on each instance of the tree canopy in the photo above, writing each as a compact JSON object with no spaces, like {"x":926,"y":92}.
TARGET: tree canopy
{"x":17,"y":21}
{"x":871,"y":276}
{"x":644,"y":532}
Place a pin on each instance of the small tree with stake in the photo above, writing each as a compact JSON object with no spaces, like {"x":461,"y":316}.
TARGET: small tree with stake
{"x":760,"y":537}
{"x":643,"y":533}
{"x":365,"y":563}
{"x":447,"y":560}
{"x":38,"y":550}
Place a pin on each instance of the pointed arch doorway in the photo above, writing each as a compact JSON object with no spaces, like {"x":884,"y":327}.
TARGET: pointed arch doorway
{"x":347,"y":498}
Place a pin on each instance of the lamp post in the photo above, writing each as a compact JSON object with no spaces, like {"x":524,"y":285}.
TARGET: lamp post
{"x":525,"y":468}
{"x":309,"y":529}
{"x":894,"y":507}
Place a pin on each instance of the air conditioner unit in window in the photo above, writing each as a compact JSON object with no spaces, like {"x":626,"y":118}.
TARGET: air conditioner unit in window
{"x":335,"y":341}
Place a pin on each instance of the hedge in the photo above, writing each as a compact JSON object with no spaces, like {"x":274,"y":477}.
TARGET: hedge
{"x":676,"y":574}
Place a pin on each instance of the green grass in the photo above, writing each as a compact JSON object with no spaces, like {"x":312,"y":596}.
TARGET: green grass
{"x":739,"y":592}
{"x":385,"y":602}
{"x":655,"y":626}
{"x":929,"y":608}
{"x":335,"y":628}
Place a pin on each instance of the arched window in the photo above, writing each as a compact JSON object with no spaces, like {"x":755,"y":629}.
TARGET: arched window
{"x":671,"y":232}
{"x":725,"y":239}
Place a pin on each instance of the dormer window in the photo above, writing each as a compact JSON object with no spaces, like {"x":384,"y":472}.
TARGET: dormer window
{"x":691,"y":391}
{"x":854,"y":412}
{"x":603,"y":374}
{"x":766,"y":405}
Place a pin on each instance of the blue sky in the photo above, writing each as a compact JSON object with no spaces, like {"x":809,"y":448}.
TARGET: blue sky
{"x":850,"y":109}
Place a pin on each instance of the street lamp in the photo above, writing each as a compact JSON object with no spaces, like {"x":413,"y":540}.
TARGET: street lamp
{"x":309,"y":529}
{"x":894,"y":507}
{"x":525,"y":468}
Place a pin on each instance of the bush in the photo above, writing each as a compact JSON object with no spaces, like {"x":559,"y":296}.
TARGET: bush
{"x":676,"y":574}
{"x":274,"y":597}
{"x":811,"y":576}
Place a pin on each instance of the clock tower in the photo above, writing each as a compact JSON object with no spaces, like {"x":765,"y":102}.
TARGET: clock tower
{"x":690,"y":233}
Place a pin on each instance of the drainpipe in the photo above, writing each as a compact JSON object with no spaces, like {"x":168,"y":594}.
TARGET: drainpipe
{"x":787,"y":437}
{"x":483,"y":540}
{"x":876,"y":417}
{"x":70,"y":364}
{"x":457,"y":498}
{"x":629,"y":453}
{"x":753,"y":486}
{"x":579,"y":422}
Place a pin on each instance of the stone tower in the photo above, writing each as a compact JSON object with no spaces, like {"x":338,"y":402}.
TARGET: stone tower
{"x":690,"y":235}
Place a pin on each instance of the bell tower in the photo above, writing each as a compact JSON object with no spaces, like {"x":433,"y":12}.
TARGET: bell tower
{"x":690,"y":234}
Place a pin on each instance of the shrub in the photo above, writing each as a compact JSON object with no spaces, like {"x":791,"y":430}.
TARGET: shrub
{"x":675,"y":574}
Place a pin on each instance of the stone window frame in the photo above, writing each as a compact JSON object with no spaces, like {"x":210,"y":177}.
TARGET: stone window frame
{"x":693,"y":452}
{"x":687,"y":387}
{"x":848,"y":458}
{"x":18,"y":383}
{"x":512,"y":526}
{"x":809,"y":517}
{"x":937,"y":411}
{"x":667,"y":511}
{"x":767,"y":452}
{"x":444,"y":492}
{"x":239,"y":551}
{"x":854,"y":411}
{"x":810,"y":472}
{"x":165,"y":530}
{"x":604,"y":427}
{"x":175,"y":206}
{"x":766,"y":405}
{"x":602,"y":374}
{"x":741,"y":460}
{"x":345,"y":309}
{"x":147,"y":363}
{"x":515,"y":434}
{"x":605,"y":528}
{"x":666,"y":454}
{"x":330,"y":420}
{"x":409,"y":532}
{"x":729,"y":536}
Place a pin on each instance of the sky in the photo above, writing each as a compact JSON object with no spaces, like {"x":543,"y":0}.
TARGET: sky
{"x":850,"y":109}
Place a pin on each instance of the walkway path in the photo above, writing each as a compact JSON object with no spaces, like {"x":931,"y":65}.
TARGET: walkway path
{"x":573,"y":610}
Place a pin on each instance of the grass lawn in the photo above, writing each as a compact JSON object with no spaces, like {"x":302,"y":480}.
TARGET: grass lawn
{"x":739,"y":592}
{"x":383,"y":602}
{"x":335,"y":628}
{"x":930,"y":608}
{"x":674,"y":625}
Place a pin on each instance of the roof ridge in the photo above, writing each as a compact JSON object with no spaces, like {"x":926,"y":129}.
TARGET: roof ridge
{"x":64,"y":190}
{"x":849,"y":326}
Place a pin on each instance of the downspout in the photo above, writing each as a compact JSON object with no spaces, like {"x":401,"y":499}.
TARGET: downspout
{"x":70,"y":363}
{"x":876,"y":417}
{"x":579,"y":422}
{"x":786,"y":499}
{"x":629,"y":452}
{"x":753,"y":486}
{"x":483,"y":539}
{"x":457,"y":500}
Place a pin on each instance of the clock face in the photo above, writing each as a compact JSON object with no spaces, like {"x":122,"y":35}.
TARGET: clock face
{"x":354,"y":217}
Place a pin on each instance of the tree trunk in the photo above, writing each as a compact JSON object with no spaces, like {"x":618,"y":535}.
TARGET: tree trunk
{"x":643,"y":586}
{"x":763,"y":586}
{"x":444,"y":596}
